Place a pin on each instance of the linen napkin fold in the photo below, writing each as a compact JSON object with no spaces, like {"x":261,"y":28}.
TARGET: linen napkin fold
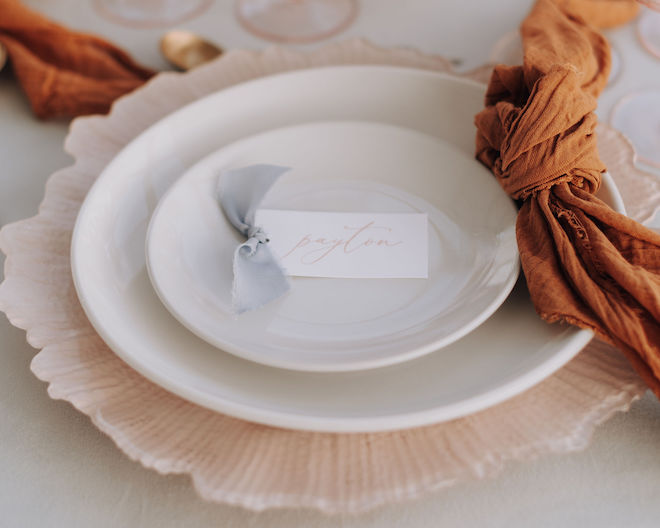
{"x":602,"y":14}
{"x":585,"y":264}
{"x":64,"y":73}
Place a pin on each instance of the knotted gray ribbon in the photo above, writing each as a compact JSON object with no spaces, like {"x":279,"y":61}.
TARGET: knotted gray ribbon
{"x":258,"y":275}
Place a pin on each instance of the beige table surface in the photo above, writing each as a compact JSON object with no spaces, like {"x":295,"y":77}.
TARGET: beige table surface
{"x":56,"y":469}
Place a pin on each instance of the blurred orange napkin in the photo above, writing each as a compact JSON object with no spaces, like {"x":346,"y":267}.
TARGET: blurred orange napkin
{"x":602,"y":14}
{"x":585,"y":264}
{"x":63,"y":72}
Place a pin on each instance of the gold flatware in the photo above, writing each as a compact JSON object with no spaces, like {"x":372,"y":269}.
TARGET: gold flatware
{"x":186,"y":50}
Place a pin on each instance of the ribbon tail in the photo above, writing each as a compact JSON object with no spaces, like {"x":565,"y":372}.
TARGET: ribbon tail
{"x":258,"y":277}
{"x":592,"y":267}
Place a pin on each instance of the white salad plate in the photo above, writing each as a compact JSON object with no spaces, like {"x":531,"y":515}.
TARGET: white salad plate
{"x":340,"y":324}
{"x":510,"y":352}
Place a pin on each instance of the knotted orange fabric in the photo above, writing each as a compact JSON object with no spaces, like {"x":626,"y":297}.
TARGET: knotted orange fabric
{"x":64,"y":73}
{"x":585,"y":264}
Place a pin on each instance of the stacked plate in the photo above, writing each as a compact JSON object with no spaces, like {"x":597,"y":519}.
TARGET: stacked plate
{"x":152,"y":253}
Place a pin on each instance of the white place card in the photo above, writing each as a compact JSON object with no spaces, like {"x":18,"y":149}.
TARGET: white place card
{"x":348,"y":245}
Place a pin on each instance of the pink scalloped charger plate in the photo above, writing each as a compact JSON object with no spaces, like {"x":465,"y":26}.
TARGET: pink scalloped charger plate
{"x":255,"y":466}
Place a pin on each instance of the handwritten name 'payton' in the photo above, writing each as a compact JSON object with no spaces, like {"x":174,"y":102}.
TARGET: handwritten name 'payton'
{"x":311,"y":249}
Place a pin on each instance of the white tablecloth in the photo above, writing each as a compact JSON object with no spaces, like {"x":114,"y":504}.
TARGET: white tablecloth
{"x":56,"y":469}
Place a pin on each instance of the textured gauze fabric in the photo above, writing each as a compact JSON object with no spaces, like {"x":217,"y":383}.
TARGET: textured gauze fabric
{"x":585,"y":264}
{"x":64,"y":73}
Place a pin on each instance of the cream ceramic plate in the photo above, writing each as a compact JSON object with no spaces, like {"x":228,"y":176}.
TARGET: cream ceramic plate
{"x":507,"y":354}
{"x":341,"y":324}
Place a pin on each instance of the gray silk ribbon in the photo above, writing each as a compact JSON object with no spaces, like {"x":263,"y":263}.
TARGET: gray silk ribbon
{"x":258,"y":276}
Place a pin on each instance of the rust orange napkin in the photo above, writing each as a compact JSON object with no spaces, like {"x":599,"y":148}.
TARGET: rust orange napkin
{"x":585,"y":264}
{"x":602,"y":13}
{"x":64,"y":73}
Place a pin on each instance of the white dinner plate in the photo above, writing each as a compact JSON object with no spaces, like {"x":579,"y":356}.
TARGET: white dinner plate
{"x":507,"y":354}
{"x":334,"y":324}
